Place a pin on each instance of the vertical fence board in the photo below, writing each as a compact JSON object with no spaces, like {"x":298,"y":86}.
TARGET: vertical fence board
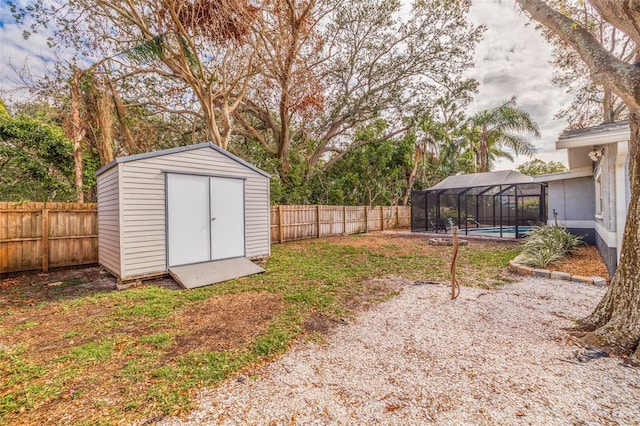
{"x":39,"y":236}
{"x":45,"y":240}
{"x":290,"y":223}
{"x":4,"y":252}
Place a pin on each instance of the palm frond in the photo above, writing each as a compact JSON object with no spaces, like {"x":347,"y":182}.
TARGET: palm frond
{"x":157,"y":48}
{"x":147,"y":51}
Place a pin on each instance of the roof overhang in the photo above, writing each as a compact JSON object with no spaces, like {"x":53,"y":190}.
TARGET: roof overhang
{"x":573,"y":174}
{"x":597,"y":135}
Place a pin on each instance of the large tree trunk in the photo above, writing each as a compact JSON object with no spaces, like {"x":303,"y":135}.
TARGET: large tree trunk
{"x":412,"y":177}
{"x":77,"y":130}
{"x":121,"y":114}
{"x":103,"y":119}
{"x":615,"y":323}
{"x":484,"y":150}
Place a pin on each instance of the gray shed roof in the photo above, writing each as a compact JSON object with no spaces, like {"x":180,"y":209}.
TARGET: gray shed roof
{"x":503,"y":177}
{"x":180,"y":149}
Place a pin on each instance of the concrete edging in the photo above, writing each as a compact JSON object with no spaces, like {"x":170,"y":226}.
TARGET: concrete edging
{"x":518,"y":268}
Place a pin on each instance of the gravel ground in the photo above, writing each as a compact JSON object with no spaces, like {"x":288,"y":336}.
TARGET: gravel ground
{"x":491,"y":357}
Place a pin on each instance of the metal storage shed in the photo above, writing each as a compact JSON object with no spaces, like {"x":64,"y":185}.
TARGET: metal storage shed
{"x":196,"y":212}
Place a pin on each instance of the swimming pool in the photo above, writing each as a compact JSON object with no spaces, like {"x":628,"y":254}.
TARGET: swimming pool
{"x":507,"y":231}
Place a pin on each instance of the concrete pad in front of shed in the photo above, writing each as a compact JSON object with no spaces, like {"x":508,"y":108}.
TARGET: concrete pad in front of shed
{"x":207,"y":273}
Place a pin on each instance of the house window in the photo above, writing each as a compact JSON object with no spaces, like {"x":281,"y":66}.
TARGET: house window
{"x":599,"y":203}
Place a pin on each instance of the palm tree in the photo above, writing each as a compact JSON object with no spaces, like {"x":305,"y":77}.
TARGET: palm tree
{"x":491,"y":132}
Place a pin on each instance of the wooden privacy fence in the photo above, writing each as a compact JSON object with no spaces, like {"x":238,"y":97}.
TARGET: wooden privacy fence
{"x":289,"y":223}
{"x":47,"y":235}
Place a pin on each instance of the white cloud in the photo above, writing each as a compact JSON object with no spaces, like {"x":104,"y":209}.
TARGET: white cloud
{"x":30,"y":55}
{"x":513,"y":59}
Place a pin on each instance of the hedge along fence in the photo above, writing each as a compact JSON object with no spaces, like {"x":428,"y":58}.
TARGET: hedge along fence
{"x":290,"y":223}
{"x":39,"y":236}
{"x":47,"y":235}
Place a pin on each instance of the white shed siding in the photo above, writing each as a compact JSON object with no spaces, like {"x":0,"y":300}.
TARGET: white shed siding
{"x":257,"y":217}
{"x":143,"y":207}
{"x":143,"y":220}
{"x":109,"y":221}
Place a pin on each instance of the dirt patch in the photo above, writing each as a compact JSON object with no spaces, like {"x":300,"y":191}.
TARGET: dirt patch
{"x":33,"y":316}
{"x":32,"y":288}
{"x":321,"y":324}
{"x":43,"y":332}
{"x":61,"y":284}
{"x":376,"y":289}
{"x":225,"y":322}
{"x":585,"y":261}
{"x":406,"y":242}
{"x":373,"y":290}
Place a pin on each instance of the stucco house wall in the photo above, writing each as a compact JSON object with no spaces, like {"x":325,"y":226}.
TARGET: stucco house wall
{"x":572,"y":205}
{"x":611,"y":176}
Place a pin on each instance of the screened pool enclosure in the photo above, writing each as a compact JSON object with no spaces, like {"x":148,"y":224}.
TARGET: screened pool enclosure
{"x":504,"y":204}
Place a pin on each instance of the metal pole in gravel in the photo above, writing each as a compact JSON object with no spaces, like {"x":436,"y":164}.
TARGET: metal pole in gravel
{"x":455,"y":287}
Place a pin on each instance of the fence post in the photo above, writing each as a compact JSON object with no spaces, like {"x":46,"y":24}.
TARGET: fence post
{"x":397,"y":216}
{"x":366,"y":220}
{"x":382,"y":217}
{"x":455,"y":287}
{"x":280,"y":229}
{"x":318,"y":218}
{"x":45,"y":240}
{"x":344,"y":220}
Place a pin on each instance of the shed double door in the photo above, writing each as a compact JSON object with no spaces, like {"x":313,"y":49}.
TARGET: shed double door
{"x":205,"y":218}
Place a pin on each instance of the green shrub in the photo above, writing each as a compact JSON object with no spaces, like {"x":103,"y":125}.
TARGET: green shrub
{"x":547,"y":244}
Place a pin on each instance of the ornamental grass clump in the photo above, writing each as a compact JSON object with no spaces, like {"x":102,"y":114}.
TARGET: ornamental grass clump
{"x":547,"y":244}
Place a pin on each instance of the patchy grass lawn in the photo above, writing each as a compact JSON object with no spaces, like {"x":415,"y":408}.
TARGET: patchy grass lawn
{"x":73,"y":351}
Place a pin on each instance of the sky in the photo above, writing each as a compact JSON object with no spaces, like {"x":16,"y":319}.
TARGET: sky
{"x":511,"y":60}
{"x":14,"y":50}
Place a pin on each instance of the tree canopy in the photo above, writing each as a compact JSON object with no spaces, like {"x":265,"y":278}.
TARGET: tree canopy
{"x":286,"y":84}
{"x":35,"y":160}
{"x":505,"y":126}
{"x":537,"y":167}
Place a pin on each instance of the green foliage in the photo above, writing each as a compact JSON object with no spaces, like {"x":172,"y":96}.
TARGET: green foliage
{"x":547,"y":244}
{"x":36,"y":162}
{"x":491,"y":132}
{"x":542,"y":256}
{"x":293,"y":186}
{"x":90,"y":164}
{"x":537,"y":167}
{"x":373,"y":174}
